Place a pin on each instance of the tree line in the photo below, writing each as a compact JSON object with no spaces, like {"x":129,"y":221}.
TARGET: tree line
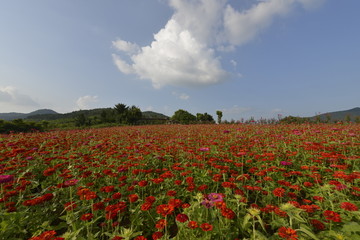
{"x":120,"y":114}
{"x":19,"y":125}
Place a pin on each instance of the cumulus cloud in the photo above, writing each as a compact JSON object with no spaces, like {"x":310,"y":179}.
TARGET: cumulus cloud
{"x":128,"y":47}
{"x":12,"y":98}
{"x":87,"y":101}
{"x":185,"y":52}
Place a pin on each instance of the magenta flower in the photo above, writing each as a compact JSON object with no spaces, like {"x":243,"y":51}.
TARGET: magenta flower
{"x":285,"y":163}
{"x":71,"y":182}
{"x":207,"y":203}
{"x":215,"y":197}
{"x":204,"y":149}
{"x":6,"y":178}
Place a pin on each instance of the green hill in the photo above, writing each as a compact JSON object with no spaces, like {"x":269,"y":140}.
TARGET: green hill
{"x":346,"y":115}
{"x":15,"y":115}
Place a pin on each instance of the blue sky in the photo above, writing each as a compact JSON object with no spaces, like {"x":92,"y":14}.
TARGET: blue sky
{"x":247,"y":58}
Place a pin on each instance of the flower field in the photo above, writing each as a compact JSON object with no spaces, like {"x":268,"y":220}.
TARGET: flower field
{"x":182,"y":182}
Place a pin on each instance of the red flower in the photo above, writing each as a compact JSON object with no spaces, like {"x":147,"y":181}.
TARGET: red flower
{"x":150,"y":199}
{"x":287,"y":233}
{"x":228,"y":213}
{"x":317,"y":224}
{"x":86,"y":217}
{"x":182,"y":217}
{"x":133,"y":198}
{"x":48,"y":235}
{"x":49,"y":171}
{"x":206,"y":227}
{"x":171,"y":193}
{"x":143,"y":183}
{"x":116,"y":195}
{"x":117,"y":238}
{"x":140,"y":238}
{"x":157,"y":235}
{"x":161,"y":224}
{"x":164,"y":209}
{"x":332,"y":216}
{"x":193,"y":224}
{"x":279,"y":192}
{"x":70,"y":206}
{"x":107,"y":189}
{"x":175,"y":202}
{"x":146,"y":206}
{"x":318,"y":198}
{"x":98,"y":206}
{"x":349,"y":206}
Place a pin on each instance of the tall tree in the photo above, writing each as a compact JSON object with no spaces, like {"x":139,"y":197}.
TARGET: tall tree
{"x":219,"y":115}
{"x":133,"y":115}
{"x":121,"y":111}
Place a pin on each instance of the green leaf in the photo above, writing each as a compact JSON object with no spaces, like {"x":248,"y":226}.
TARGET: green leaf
{"x":351,"y":227}
{"x":260,"y":236}
{"x":306,"y":230}
{"x":246,"y":221}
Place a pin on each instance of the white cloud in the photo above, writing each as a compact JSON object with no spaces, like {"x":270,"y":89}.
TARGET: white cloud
{"x":11,"y":99}
{"x":87,"y":101}
{"x":175,"y":57}
{"x":233,"y":62}
{"x":128,"y":47}
{"x":185,"y":51}
{"x":182,"y":96}
{"x":242,"y":27}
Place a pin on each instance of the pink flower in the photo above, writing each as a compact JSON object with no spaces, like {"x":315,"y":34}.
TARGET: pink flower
{"x":6,"y":178}
{"x":204,"y":149}
{"x":71,"y":182}
{"x":215,"y":197}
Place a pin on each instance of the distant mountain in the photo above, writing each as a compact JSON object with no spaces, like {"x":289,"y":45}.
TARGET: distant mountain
{"x":340,"y":115}
{"x":15,"y":115}
{"x":48,"y":114}
{"x":153,"y":115}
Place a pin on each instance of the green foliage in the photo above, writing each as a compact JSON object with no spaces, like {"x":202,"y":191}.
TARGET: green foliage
{"x":183,"y":117}
{"x":127,"y":115}
{"x":19,"y":125}
{"x":292,"y":119}
{"x":219,"y":115}
{"x":204,"y":118}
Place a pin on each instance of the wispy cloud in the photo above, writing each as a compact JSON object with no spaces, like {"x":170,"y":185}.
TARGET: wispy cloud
{"x":12,"y":99}
{"x":86,"y":102}
{"x":185,"y":52}
{"x":182,"y":96}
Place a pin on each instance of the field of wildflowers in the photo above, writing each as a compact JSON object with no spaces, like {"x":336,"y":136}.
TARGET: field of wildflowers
{"x":182,"y":182}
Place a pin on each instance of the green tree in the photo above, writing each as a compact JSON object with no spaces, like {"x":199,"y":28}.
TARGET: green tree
{"x":121,"y":112}
{"x":348,"y":118}
{"x":183,"y":117}
{"x":81,"y":120}
{"x":219,"y":115}
{"x":357,"y":119}
{"x":133,"y":115}
{"x":204,"y":118}
{"x":328,"y":118}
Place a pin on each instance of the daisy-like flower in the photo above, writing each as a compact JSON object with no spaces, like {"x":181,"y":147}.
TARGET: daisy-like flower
{"x":215,"y":197}
{"x":349,"y":206}
{"x":287,"y":233}
{"x":6,"y":178}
